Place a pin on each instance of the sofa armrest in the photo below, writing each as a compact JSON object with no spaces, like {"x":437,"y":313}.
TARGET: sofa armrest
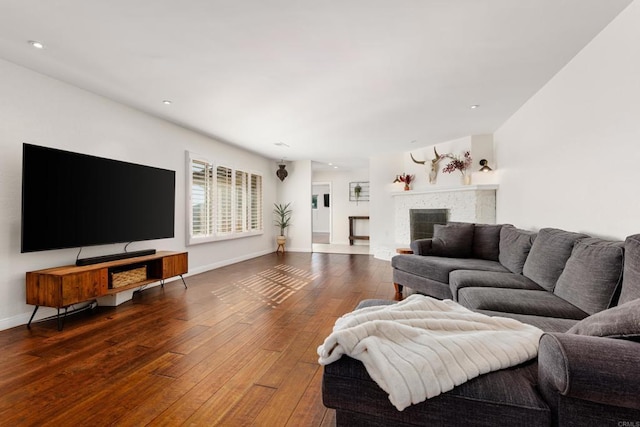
{"x":594,"y":369}
{"x":421,"y":246}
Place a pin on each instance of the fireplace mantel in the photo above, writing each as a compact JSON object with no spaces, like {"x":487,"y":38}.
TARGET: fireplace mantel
{"x":482,"y":187}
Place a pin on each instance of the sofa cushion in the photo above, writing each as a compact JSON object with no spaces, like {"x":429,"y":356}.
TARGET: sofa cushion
{"x":592,"y":274}
{"x":488,"y":279}
{"x":519,"y":301}
{"x":547,"y":324}
{"x":549,"y":254}
{"x":453,"y":240}
{"x":622,"y":321}
{"x":504,"y":397}
{"x":422,"y":285}
{"x":486,"y":241}
{"x":631,"y":276}
{"x":515,"y":245}
{"x":374,"y":303}
{"x":438,"y":268}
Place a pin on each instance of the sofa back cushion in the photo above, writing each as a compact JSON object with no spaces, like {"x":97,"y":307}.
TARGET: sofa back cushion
{"x":592,"y":274}
{"x":453,"y":240}
{"x":549,"y":254}
{"x":514,"y":247}
{"x":622,"y":321}
{"x":486,"y":241}
{"x":631,"y":276}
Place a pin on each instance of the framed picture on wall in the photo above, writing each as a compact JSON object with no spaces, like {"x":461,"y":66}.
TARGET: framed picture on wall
{"x":326,"y":200}
{"x":314,"y":201}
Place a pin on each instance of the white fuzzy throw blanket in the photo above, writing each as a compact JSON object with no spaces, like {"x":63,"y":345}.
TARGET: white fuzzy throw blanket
{"x":421,"y":347}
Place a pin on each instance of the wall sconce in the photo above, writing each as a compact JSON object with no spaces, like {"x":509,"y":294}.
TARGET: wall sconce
{"x":485,"y":166}
{"x":282,"y":172}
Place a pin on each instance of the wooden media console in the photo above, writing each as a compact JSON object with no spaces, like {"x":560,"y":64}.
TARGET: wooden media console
{"x":61,"y":287}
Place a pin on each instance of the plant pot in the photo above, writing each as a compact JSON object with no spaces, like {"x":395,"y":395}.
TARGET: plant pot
{"x":407,"y":187}
{"x":282,"y":241}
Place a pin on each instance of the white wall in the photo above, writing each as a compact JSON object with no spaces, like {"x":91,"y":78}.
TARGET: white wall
{"x":44,"y":111}
{"x":383,"y":170}
{"x":296,"y":189}
{"x":341,"y":207}
{"x":569,"y":157}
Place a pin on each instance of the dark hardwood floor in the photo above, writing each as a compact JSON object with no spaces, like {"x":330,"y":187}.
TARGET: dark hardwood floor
{"x":238,"y":347}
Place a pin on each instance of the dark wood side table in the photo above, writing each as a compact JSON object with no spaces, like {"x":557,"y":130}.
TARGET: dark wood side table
{"x":352,"y":237}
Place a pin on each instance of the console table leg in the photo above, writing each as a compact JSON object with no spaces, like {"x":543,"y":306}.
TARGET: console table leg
{"x":61,"y":323}
{"x":185,"y":283}
{"x":32,"y":316}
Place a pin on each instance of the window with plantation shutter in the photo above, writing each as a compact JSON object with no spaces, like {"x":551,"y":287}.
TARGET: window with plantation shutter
{"x":201,"y":198}
{"x":224,"y":207}
{"x":256,"y":202}
{"x":241,"y":201}
{"x":224,"y":203}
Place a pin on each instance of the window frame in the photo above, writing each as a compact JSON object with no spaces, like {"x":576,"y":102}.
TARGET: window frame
{"x":244,"y":191}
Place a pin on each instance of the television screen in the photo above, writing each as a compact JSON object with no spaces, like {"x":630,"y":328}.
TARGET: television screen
{"x":74,"y":200}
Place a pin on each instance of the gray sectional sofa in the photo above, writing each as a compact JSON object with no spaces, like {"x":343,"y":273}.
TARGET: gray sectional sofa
{"x":583,"y":292}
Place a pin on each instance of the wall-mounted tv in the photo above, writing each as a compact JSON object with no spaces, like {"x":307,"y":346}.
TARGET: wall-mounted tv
{"x":73,"y":200}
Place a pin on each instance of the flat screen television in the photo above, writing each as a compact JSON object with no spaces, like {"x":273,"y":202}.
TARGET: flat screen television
{"x":73,"y":200}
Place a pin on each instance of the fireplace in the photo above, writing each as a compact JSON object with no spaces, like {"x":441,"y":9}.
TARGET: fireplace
{"x":468,"y":203}
{"x":421,"y":222}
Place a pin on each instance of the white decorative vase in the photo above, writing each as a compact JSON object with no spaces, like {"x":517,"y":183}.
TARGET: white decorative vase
{"x":466,"y":179}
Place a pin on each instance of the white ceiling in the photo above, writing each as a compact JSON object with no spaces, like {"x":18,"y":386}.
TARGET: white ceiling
{"x":335,"y":80}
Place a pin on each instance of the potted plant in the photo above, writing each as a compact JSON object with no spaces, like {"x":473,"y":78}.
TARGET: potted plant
{"x":282,"y":214}
{"x":407,"y":179}
{"x":461,"y":164}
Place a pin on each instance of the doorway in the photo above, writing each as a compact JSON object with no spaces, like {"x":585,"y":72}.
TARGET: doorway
{"x":321,"y":212}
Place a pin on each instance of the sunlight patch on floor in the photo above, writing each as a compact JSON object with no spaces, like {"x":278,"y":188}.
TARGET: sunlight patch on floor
{"x":272,"y":286}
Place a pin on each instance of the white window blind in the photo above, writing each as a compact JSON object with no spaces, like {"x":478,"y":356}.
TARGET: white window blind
{"x":241,"y":201}
{"x":201,"y":198}
{"x":224,"y":203}
{"x":256,"y":202}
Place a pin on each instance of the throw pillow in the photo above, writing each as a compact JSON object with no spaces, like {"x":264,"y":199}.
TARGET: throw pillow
{"x":514,"y":246}
{"x":453,"y":240}
{"x":592,"y":274}
{"x":622,"y":321}
{"x":631,"y":276}
{"x":549,"y":254}
{"x":486,"y":241}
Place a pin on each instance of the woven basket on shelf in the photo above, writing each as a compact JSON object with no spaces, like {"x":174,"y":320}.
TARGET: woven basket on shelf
{"x":124,"y":278}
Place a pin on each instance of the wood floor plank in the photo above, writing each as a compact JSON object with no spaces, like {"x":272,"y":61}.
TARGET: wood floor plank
{"x":233,"y":390}
{"x":310,"y":411}
{"x":238,"y":347}
{"x":287,"y":396}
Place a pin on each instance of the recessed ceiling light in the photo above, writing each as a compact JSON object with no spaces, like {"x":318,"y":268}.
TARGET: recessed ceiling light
{"x":474,"y":106}
{"x":330,"y":164}
{"x":166,"y":102}
{"x":335,"y":167}
{"x":36,"y":44}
